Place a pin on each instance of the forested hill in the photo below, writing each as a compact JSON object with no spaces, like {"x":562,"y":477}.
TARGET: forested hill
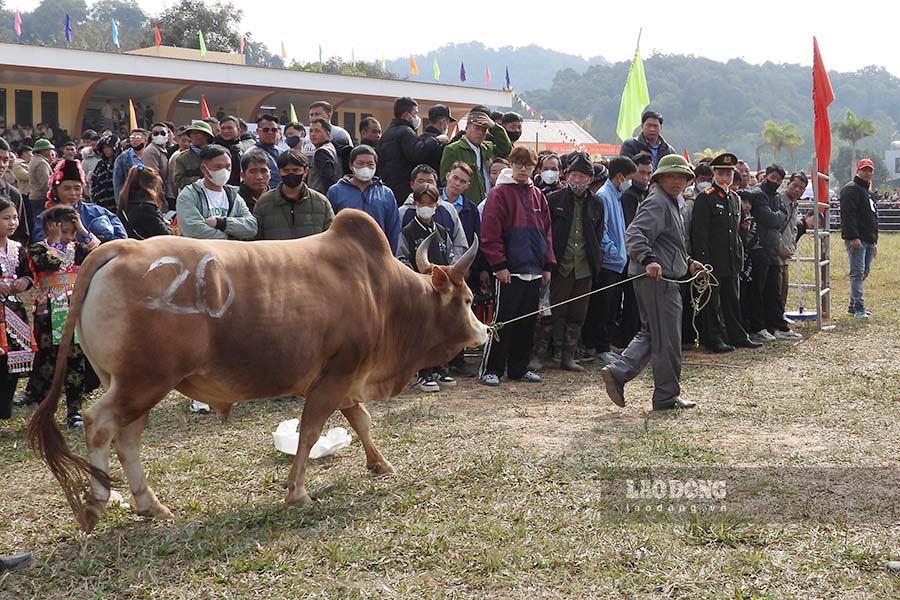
{"x":709,"y":104}
{"x":530,"y":67}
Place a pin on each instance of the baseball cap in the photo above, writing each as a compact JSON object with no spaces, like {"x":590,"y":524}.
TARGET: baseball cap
{"x":866,"y":162}
{"x":439,"y":110}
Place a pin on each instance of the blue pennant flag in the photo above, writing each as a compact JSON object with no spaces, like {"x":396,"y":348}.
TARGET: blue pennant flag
{"x":68,"y":29}
{"x":508,"y":86}
{"x":115,"y":34}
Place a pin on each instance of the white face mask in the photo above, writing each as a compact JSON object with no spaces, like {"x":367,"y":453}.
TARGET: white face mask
{"x":417,"y":120}
{"x":625,"y":185}
{"x":703,"y":185}
{"x":550,"y":177}
{"x":160,"y":140}
{"x":219,"y":177}
{"x":364,"y":173}
{"x":425,"y":212}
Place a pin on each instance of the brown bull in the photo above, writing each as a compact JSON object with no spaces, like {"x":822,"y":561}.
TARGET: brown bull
{"x":334,"y":318}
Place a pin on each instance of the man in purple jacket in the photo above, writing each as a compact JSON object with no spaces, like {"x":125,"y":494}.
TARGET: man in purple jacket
{"x":517,"y":244}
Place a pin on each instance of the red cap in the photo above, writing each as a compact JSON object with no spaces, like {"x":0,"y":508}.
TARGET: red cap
{"x":866,"y":162}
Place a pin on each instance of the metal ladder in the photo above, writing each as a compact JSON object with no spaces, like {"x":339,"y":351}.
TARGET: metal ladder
{"x":821,"y":258}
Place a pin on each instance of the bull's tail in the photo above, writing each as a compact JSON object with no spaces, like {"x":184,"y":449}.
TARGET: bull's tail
{"x":44,"y":435}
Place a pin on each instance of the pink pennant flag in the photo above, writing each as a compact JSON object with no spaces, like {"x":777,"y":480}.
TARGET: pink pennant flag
{"x":18,"y":23}
{"x":243,"y":42}
{"x":487,"y":75}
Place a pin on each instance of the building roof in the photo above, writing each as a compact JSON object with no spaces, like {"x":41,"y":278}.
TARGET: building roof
{"x":551,"y":132}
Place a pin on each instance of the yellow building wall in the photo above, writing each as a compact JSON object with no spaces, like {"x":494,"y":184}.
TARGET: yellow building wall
{"x":69,"y":99}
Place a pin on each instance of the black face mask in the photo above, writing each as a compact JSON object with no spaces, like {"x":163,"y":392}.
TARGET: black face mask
{"x":139,"y":147}
{"x":292,"y":141}
{"x":292,"y":180}
{"x":514,"y":135}
{"x":769,"y":186}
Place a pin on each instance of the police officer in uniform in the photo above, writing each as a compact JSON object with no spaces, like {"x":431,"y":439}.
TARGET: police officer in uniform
{"x":655,"y":245}
{"x":715,"y":240}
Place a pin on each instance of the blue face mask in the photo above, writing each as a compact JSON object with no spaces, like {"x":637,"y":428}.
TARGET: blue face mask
{"x":292,"y":140}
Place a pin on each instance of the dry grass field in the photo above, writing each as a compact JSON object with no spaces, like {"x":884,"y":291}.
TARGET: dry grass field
{"x":516,"y":492}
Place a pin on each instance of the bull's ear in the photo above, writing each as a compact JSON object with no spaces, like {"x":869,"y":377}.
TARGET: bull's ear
{"x":440,"y":279}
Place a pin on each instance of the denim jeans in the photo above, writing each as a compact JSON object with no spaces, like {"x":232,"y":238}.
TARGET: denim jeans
{"x":860,"y":263}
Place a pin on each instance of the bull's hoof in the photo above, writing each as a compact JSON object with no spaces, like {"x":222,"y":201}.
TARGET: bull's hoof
{"x":298,"y":497}
{"x":157,"y":512}
{"x":91,"y":516}
{"x":381,"y":468}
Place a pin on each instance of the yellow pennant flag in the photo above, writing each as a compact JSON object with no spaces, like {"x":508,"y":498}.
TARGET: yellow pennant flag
{"x":132,"y":118}
{"x":437,"y":70}
{"x":413,"y":68}
{"x":294,"y":114}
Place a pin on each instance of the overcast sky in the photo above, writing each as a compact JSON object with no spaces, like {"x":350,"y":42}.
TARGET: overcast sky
{"x":779,"y":31}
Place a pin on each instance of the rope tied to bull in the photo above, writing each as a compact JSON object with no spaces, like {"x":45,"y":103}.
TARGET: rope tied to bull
{"x":701,"y":292}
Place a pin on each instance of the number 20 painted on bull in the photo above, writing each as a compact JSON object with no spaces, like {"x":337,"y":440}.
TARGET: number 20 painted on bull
{"x":166,"y":301}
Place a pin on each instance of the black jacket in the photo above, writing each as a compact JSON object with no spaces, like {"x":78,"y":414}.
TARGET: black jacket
{"x":631,"y":199}
{"x":234,"y":149}
{"x":562,"y":213}
{"x":715,"y":231}
{"x":400,"y":150}
{"x":771,"y":216}
{"x":639,"y":144}
{"x":859,"y":219}
{"x":142,"y":218}
{"x":433,"y":149}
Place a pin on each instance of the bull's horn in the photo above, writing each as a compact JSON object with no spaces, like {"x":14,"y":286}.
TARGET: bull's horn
{"x":461,"y":267}
{"x":422,"y":261}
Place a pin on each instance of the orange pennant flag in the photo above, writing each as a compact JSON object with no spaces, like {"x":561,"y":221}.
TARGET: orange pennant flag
{"x":413,"y":68}
{"x":204,"y":109}
{"x":132,"y":117}
{"x":687,"y":156}
{"x":283,"y":51}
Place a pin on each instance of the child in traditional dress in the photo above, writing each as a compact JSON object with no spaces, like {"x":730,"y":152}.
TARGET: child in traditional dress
{"x":55,"y":262}
{"x":15,"y":335}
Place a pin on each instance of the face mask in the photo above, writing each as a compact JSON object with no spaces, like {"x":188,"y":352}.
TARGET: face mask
{"x":514,"y":135}
{"x":703,"y":185}
{"x":424,"y":212}
{"x":625,"y":185}
{"x":292,"y":180}
{"x":769,"y":186}
{"x":364,"y":173}
{"x":579,"y":188}
{"x":416,"y":122}
{"x":219,"y":177}
{"x":160,"y":140}
{"x":292,"y":140}
{"x":550,"y":177}
{"x":139,"y":147}
{"x":638,"y":185}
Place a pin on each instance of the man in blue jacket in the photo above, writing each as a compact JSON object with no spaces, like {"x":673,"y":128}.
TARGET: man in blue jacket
{"x":363,"y":191}
{"x":604,"y":306}
{"x":131,"y":157}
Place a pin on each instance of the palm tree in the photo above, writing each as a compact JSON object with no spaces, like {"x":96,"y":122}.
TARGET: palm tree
{"x":854,"y":129}
{"x":778,"y":137}
{"x":707,"y":153}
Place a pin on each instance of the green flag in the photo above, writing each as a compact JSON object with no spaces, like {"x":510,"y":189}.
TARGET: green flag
{"x":353,"y":56}
{"x":437,"y":70}
{"x":202,"y":45}
{"x":293,"y":115}
{"x":635,"y":99}
{"x":382,"y":61}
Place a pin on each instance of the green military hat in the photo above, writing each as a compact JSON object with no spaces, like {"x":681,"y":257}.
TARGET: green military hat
{"x":726,"y":160}
{"x":41,"y":145}
{"x":673,"y":163}
{"x":200,"y":126}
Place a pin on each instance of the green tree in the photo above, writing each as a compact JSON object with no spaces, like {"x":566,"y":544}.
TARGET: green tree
{"x":777,"y":137}
{"x":46,"y":24}
{"x":853,"y":129}
{"x":843,"y":167}
{"x":180,"y":24}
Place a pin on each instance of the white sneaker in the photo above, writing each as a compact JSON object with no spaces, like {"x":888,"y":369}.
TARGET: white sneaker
{"x":764,"y":336}
{"x":787,"y":335}
{"x":199,"y":407}
{"x":424,"y":384}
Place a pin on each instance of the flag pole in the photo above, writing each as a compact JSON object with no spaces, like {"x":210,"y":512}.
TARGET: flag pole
{"x":640,"y":31}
